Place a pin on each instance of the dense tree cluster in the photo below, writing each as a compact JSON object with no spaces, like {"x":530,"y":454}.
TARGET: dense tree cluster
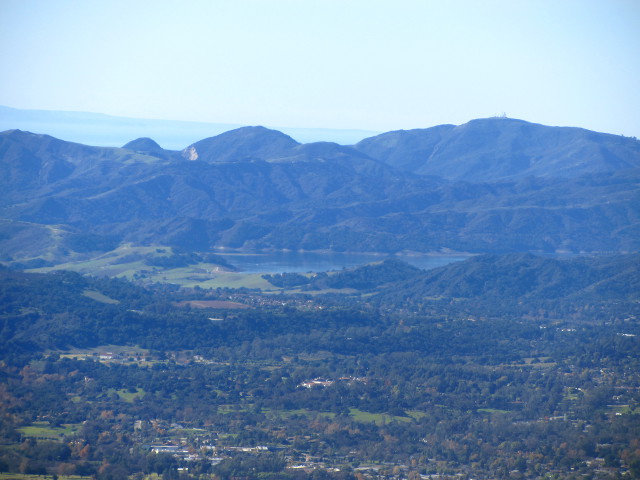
{"x":362,"y":278}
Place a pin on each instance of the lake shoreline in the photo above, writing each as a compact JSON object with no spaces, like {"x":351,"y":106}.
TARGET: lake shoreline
{"x":326,"y":261}
{"x":402,"y":253}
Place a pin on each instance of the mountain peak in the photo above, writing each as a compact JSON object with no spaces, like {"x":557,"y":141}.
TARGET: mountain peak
{"x":500,"y":148}
{"x":144,"y":145}
{"x":23,"y":134}
{"x":245,"y":143}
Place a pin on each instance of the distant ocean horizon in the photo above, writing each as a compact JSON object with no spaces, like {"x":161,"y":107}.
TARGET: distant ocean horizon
{"x":102,"y":130}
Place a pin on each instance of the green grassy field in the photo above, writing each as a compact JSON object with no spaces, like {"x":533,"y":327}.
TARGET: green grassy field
{"x":204,"y":276}
{"x":416,"y":414}
{"x":377,"y":418}
{"x":41,"y":430}
{"x":492,"y":410}
{"x":124,"y":350}
{"x":128,"y":262}
{"x":126,"y":395}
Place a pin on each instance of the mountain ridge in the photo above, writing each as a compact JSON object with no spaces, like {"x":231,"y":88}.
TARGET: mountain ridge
{"x":524,"y":277}
{"x":255,"y":188}
{"x":502,"y":149}
{"x":245,"y":143}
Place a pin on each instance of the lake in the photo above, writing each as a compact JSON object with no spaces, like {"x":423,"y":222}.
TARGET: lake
{"x":302,"y":262}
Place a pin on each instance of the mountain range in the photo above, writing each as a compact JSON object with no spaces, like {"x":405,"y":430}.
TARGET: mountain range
{"x":492,"y":185}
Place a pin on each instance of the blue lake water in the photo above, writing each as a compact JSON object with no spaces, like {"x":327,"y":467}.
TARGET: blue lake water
{"x":302,"y":262}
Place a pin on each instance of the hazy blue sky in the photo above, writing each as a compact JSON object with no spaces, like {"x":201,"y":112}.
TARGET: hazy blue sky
{"x":377,"y":65}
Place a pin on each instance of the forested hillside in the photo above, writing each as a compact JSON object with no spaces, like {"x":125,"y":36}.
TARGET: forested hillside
{"x":526,"y":277}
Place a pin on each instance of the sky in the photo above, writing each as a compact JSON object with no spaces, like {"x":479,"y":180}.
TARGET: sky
{"x":376,"y":65}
